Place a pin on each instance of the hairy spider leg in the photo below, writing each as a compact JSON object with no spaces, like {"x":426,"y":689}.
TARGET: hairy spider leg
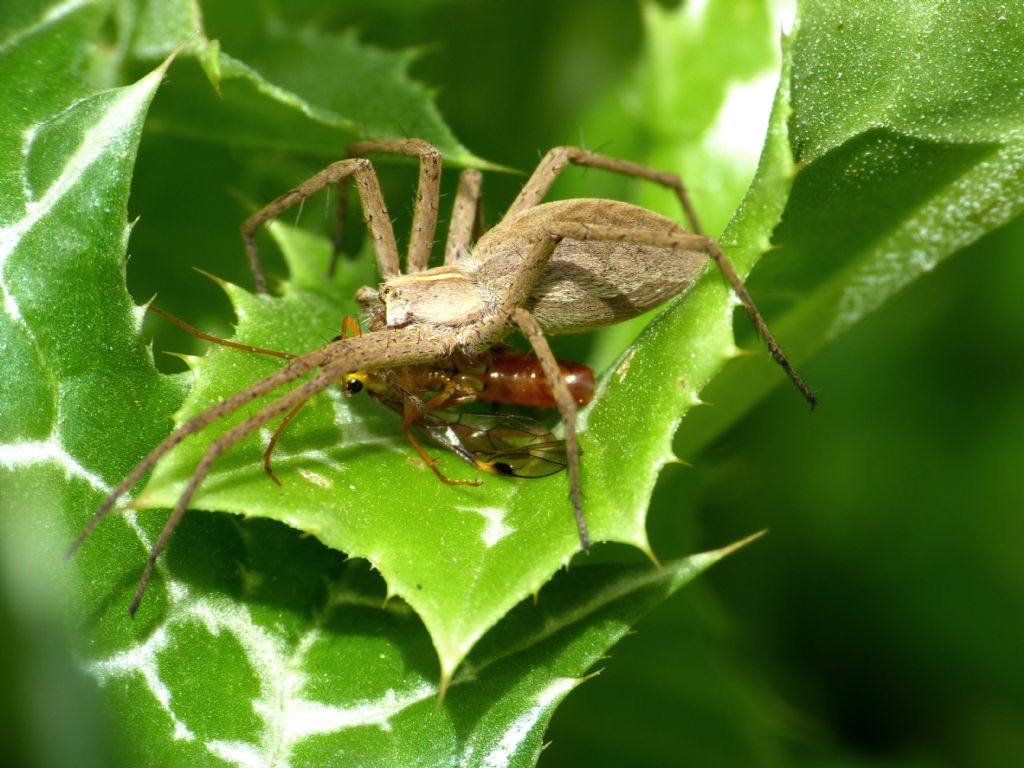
{"x":466,"y":220}
{"x":374,"y":210}
{"x":428,"y":193}
{"x":557,"y":159}
{"x":709,"y":245}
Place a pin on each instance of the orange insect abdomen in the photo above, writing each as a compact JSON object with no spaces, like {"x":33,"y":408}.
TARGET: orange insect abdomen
{"x":517,"y":379}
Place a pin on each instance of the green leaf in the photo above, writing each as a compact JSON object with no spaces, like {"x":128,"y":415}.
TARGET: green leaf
{"x":489,"y":547}
{"x":461,"y":557}
{"x":887,"y":179}
{"x":80,"y":399}
{"x":62,"y":261}
{"x":316,"y":663}
{"x":652,"y":371}
{"x":248,"y":87}
{"x":909,"y":148}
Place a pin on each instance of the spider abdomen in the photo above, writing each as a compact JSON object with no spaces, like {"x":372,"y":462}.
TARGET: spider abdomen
{"x":589,"y":284}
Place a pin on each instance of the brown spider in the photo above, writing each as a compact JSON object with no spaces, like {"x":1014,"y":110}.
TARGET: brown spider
{"x":560,"y":267}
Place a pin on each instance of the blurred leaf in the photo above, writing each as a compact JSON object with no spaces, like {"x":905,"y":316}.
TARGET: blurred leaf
{"x":909,"y":149}
{"x":269,"y":85}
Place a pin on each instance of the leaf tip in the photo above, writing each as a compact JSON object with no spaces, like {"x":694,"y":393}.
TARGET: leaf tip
{"x":581,"y":680}
{"x":209,"y":60}
{"x":731,"y":351}
{"x":218,"y":280}
{"x":646,"y":549}
{"x":447,"y":671}
{"x":671,"y":458}
{"x":695,"y":399}
{"x":740,"y":352}
{"x":736,"y":545}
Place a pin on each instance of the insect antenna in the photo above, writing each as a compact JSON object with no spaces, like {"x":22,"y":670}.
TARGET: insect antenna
{"x":217,"y":339}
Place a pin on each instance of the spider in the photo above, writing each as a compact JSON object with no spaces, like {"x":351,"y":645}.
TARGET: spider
{"x":560,"y":267}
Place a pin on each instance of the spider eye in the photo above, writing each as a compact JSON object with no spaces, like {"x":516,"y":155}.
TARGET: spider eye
{"x":353,"y":386}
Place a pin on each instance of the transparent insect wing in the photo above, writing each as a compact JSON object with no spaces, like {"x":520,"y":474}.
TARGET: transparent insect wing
{"x":508,"y":445}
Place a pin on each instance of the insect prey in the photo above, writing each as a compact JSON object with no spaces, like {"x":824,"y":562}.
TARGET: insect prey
{"x":424,"y":396}
{"x":546,"y":268}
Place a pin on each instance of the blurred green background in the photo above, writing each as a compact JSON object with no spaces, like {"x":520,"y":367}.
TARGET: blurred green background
{"x":880,"y":623}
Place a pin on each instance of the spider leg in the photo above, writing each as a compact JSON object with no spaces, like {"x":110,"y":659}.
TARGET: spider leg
{"x":555,"y":161}
{"x":580,"y":231}
{"x":346,"y":326}
{"x":428,"y":192}
{"x":296,"y":368}
{"x":413,"y":410}
{"x":566,"y":406}
{"x":510,"y":309}
{"x":374,"y":210}
{"x":349,"y":328}
{"x":321,"y":381}
{"x":465,"y":216}
{"x":382,"y":349}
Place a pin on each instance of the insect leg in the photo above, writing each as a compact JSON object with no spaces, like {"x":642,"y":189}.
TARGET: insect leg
{"x":558,"y":158}
{"x":349,"y":327}
{"x":449,"y":392}
{"x":465,"y":216}
{"x":430,"y":461}
{"x":567,"y":407}
{"x":277,"y":436}
{"x":374,"y":210}
{"x":412,"y":412}
{"x":428,"y":192}
{"x":579,"y":231}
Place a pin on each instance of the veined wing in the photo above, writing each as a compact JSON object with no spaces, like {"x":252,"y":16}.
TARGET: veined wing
{"x":505,"y":444}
